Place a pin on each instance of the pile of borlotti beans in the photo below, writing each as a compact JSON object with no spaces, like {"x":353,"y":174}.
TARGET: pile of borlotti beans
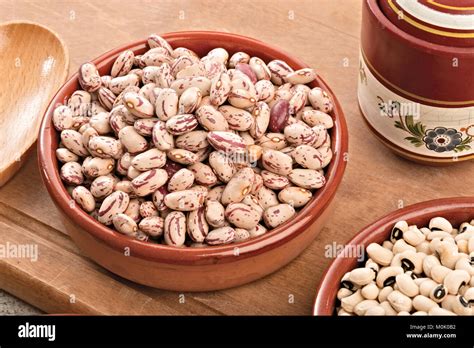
{"x":419,"y":271}
{"x":191,"y":151}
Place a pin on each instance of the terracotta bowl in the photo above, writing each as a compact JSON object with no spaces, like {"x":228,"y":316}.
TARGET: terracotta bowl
{"x":193,"y":269}
{"x":456,"y":210}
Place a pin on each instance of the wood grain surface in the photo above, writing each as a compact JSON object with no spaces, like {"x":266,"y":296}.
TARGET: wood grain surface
{"x":323,"y":33}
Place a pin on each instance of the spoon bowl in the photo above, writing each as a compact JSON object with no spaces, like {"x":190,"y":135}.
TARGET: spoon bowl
{"x":34,"y":64}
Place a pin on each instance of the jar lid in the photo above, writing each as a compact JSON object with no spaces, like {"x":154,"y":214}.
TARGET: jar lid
{"x":444,"y":22}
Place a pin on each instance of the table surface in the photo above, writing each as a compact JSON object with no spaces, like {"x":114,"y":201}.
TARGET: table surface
{"x":324,"y":34}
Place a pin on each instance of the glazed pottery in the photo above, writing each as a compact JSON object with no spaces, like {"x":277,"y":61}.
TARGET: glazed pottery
{"x":416,"y":77}
{"x":194,"y":269}
{"x":456,"y":210}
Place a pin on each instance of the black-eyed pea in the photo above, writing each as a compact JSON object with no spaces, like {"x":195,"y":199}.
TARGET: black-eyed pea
{"x":215,"y":213}
{"x":349,"y":302}
{"x":162,"y":139}
{"x":455,"y":279}
{"x":406,"y":285}
{"x":149,"y":181}
{"x":387,"y":275}
{"x":375,"y":311}
{"x":448,"y":253}
{"x":384,"y":292}
{"x":278,"y":214}
{"x":439,"y":272}
{"x":388,"y":308}
{"x":307,"y":178}
{"x":429,"y":262}
{"x":413,"y":236}
{"x":440,"y":224}
{"x":343,"y":292}
{"x":182,"y":156}
{"x":440,"y":311}
{"x":423,"y":303}
{"x":461,"y":306}
{"x":148,"y":209}
{"x":320,"y":100}
{"x":238,"y":186}
{"x":105,"y":147}
{"x":152,"y":226}
{"x":412,"y":261}
{"x":116,"y":203}
{"x":463,"y":246}
{"x":72,"y":140}
{"x":64,"y":155}
{"x":400,"y":246}
{"x":361,"y":276}
{"x":175,"y":229}
{"x":150,"y":159}
{"x":399,"y":301}
{"x":465,"y":264}
{"x":387,"y":244}
{"x":424,"y":247}
{"x":183,"y":179}
{"x":363,"y":306}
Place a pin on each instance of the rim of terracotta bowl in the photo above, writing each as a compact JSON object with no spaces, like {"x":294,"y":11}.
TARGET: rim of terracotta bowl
{"x":379,"y":231}
{"x":216,"y":254}
{"x":399,"y":33}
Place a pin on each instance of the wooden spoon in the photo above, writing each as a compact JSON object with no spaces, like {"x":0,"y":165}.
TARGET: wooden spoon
{"x":34,"y":63}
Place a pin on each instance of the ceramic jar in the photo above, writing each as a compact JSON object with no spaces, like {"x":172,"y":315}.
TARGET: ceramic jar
{"x":416,"y":77}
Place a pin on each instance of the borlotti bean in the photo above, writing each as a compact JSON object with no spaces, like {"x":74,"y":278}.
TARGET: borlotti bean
{"x":169,"y":147}
{"x":401,"y":278}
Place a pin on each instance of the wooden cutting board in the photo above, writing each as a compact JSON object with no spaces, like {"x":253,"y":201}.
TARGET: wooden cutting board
{"x":325,"y":34}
